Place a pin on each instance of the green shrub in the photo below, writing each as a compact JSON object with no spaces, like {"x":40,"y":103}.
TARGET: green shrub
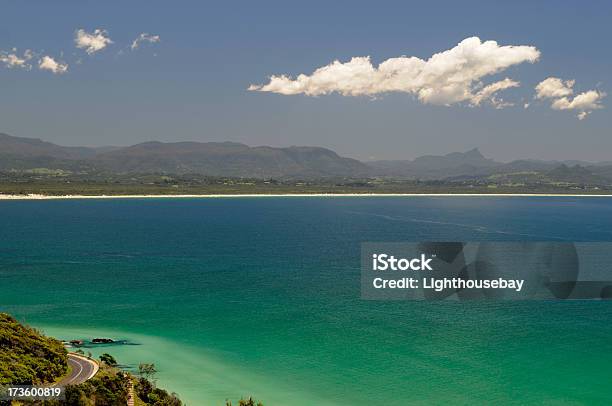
{"x":108,"y":359}
{"x":152,"y":395}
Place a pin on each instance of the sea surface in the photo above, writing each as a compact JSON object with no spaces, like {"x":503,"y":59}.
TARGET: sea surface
{"x":260,"y":297}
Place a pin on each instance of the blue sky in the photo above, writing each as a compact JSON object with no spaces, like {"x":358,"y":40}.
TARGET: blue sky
{"x":192,"y":84}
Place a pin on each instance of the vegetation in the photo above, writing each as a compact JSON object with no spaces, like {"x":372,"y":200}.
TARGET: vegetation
{"x":27,"y":357}
{"x":108,"y":388}
{"x":108,"y":359}
{"x":22,"y":183}
{"x":147,"y":370}
{"x":111,"y":386}
{"x":149,"y":394}
{"x":32,"y":166}
{"x":245,"y":402}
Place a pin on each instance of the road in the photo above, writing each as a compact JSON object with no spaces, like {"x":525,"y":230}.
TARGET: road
{"x":82,"y":369}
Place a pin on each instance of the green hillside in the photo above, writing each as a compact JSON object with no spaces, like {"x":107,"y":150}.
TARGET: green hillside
{"x":26,"y":356}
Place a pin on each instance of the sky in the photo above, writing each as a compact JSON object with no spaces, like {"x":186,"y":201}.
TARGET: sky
{"x":518,"y":79}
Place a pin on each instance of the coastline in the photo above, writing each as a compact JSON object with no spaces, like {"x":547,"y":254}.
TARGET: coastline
{"x":178,"y":363}
{"x":212,"y":196}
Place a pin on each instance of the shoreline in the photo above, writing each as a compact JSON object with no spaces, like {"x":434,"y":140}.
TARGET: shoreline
{"x":212,"y":196}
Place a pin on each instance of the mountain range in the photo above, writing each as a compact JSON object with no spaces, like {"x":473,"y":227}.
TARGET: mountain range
{"x":230,"y":159}
{"x":227,"y":159}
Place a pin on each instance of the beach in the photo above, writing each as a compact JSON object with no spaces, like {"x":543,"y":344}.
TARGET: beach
{"x":204,"y":196}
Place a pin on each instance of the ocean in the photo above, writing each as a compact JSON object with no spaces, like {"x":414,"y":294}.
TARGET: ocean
{"x":260,"y":296}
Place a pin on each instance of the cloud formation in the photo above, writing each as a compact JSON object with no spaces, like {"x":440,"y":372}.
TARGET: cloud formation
{"x":560,"y":91}
{"x":50,"y":64}
{"x":449,"y":77}
{"x":12,"y":60}
{"x":552,"y":88}
{"x":489,"y":93}
{"x":92,"y":42}
{"x":144,"y":37}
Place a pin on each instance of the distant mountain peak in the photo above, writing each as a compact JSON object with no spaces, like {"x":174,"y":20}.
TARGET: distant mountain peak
{"x":475,"y":153}
{"x":471,"y":162}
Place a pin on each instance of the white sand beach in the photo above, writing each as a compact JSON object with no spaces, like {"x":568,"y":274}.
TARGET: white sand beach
{"x":203,"y":196}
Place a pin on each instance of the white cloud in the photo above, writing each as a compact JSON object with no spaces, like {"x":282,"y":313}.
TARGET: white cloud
{"x":554,"y":87}
{"x":50,"y":64}
{"x":489,"y":93}
{"x":448,"y":77}
{"x":92,"y":43}
{"x":12,"y":60}
{"x":560,"y":93}
{"x":584,"y":102}
{"x":144,"y":37}
{"x":582,"y":115}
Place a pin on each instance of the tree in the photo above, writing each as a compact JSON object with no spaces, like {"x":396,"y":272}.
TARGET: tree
{"x":147,"y":370}
{"x":108,"y":359}
{"x":244,"y":402}
{"x":249,"y":402}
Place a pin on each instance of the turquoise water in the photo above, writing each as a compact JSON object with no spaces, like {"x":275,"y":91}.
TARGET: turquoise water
{"x":233,"y":297}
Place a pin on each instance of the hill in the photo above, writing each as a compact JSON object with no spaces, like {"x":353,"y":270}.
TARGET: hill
{"x":429,"y":167}
{"x":228,"y":159}
{"x":27,"y":160}
{"x":27,"y":357}
{"x":575,"y":174}
{"x":472,"y":166}
{"x":34,"y":147}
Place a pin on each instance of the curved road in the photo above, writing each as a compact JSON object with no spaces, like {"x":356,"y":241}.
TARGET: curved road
{"x":82,"y":369}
